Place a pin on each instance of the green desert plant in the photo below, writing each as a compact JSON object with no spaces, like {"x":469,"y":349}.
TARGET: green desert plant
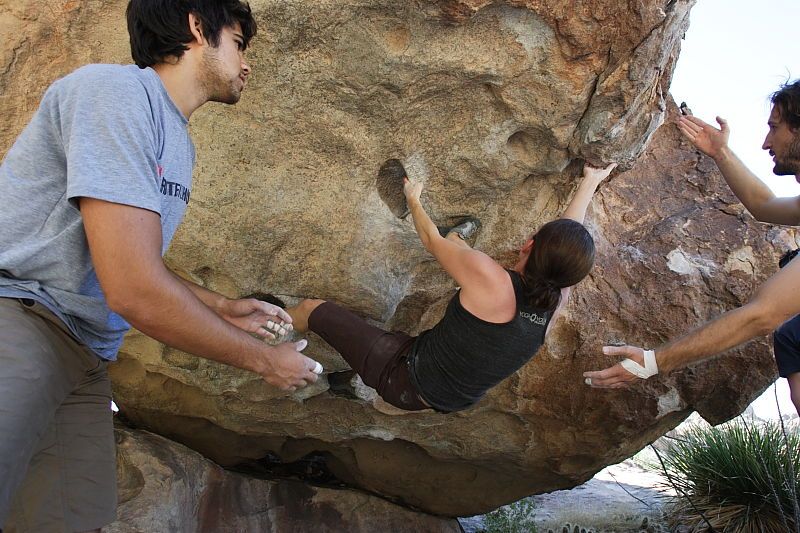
{"x":738,"y":477}
{"x":517,"y":517}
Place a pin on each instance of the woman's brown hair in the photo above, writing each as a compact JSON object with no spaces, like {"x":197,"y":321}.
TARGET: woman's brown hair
{"x":561,"y":256}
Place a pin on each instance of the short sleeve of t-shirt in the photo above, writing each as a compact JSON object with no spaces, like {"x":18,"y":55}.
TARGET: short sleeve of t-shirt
{"x":110,"y":138}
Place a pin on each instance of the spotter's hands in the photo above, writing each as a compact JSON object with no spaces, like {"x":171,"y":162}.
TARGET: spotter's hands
{"x":254,"y":316}
{"x":616,"y":377}
{"x":711,"y":141}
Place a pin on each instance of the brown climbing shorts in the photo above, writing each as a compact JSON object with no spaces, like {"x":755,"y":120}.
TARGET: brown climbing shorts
{"x":379,"y":357}
{"x":57,"y":460}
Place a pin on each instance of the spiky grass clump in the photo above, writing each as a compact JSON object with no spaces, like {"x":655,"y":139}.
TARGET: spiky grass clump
{"x":742,"y":477}
{"x":518,"y":517}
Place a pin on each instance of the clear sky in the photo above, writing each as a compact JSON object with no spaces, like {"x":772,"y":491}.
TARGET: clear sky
{"x":733,"y":57}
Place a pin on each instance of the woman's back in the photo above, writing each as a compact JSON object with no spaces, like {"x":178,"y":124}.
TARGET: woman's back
{"x":463,"y":356}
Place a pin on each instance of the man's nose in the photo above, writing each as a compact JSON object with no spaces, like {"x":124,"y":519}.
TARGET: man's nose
{"x":245,"y":68}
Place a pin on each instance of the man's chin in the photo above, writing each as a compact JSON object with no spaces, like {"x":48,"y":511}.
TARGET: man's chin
{"x":781,"y":169}
{"x":230,"y":98}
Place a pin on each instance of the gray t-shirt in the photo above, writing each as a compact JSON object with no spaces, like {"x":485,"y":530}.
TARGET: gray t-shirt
{"x":109,"y":132}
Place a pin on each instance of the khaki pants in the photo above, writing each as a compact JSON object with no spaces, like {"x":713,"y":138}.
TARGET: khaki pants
{"x":57,"y":460}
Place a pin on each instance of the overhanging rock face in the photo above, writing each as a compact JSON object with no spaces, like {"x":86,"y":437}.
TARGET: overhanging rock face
{"x":164,"y":486}
{"x":493,"y":105}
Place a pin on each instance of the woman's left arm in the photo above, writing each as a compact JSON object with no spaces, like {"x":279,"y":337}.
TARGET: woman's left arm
{"x":576,"y":210}
{"x":592,"y":177}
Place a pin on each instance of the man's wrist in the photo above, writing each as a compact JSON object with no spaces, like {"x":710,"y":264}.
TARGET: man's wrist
{"x":662,"y":360}
{"x":220,"y":305}
{"x":261,"y":361}
{"x":644,"y":370}
{"x":722,"y":155}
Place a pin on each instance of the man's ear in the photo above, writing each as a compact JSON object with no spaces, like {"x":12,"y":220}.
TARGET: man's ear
{"x":196,"y":28}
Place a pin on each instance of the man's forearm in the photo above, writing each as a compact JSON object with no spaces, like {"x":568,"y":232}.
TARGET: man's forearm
{"x":775,"y":301}
{"x":748,"y":188}
{"x":213,"y":300}
{"x":168,"y":311}
{"x":727,"y":331}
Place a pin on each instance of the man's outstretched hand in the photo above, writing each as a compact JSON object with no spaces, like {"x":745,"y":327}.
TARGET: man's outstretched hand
{"x":705,"y":137}
{"x":615,"y":377}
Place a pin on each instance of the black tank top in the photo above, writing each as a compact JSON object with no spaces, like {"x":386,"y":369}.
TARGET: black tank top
{"x":460,"y":358}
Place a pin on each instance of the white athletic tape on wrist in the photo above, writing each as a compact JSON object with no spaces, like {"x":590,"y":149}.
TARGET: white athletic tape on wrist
{"x":650,"y":367}
{"x":317,"y":368}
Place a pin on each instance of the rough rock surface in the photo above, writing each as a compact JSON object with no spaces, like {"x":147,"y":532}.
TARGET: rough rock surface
{"x":492,"y":105}
{"x":166,"y":487}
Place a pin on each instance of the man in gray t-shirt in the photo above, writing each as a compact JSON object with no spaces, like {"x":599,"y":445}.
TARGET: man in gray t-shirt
{"x":91,"y":193}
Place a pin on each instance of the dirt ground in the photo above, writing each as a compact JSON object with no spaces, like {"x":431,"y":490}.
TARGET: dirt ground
{"x":621,"y":498}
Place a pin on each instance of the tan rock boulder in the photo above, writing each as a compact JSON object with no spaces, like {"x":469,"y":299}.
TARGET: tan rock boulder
{"x":674,"y":249}
{"x":492,"y":105}
{"x":164,"y":486}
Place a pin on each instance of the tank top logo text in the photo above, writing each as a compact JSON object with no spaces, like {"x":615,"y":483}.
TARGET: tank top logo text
{"x":533,"y":317}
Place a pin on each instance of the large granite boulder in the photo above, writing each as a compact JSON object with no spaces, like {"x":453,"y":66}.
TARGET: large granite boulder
{"x":165,"y":487}
{"x":494,"y":106}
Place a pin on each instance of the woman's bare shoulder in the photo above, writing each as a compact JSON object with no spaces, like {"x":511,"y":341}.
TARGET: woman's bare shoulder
{"x":489,"y":294}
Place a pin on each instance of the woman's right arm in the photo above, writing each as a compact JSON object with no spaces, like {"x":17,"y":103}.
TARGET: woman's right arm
{"x":426,"y":229}
{"x":469,"y":268}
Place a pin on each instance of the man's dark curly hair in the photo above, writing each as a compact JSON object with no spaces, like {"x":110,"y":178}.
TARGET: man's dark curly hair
{"x":160,"y":28}
{"x":787,"y":101}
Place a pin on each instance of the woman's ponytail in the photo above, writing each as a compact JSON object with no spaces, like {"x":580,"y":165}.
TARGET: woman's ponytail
{"x":562,"y":255}
{"x":542,"y":293}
